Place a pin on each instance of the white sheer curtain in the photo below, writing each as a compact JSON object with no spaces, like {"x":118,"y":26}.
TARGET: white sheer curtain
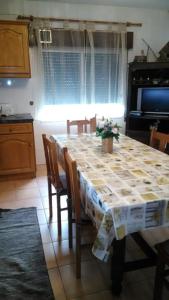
{"x":82,"y":71}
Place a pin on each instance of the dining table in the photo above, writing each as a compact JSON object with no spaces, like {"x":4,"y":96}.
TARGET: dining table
{"x":123,"y":192}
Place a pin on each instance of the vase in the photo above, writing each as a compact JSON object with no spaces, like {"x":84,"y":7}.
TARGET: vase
{"x":107,"y":145}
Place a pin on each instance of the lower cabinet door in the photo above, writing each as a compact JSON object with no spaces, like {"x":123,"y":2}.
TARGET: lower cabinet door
{"x":17,"y":154}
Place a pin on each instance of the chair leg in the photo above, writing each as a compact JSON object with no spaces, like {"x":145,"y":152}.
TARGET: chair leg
{"x":50,"y":198}
{"x":59,"y":215}
{"x":159,"y":279}
{"x":78,"y":250}
{"x":69,"y":205}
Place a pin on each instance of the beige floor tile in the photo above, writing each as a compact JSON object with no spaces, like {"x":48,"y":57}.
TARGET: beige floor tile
{"x":64,"y":215}
{"x":95,"y":283}
{"x":41,"y":167}
{"x":7,"y":186}
{"x":139,"y":291}
{"x":154,"y":236}
{"x":41,"y":172}
{"x":54,"y":231}
{"x":45,"y":202}
{"x":91,"y":280}
{"x":105,"y":269}
{"x":45,"y":234}
{"x":42,"y":181}
{"x":43,"y":191}
{"x":65,"y":256}
{"x":7,"y":196}
{"x":57,"y":285}
{"x":22,"y":203}
{"x":98,"y":296}
{"x":41,"y":216}
{"x":49,"y":255}
{"x":27,"y":193}
{"x":26,"y":184}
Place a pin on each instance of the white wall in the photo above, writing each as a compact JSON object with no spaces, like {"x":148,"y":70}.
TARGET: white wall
{"x":154,"y":30}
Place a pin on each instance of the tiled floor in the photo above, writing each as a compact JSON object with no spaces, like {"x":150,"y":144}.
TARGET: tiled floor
{"x":95,"y":280}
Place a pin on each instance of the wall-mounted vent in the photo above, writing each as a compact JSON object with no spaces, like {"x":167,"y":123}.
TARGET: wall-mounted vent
{"x":45,"y":36}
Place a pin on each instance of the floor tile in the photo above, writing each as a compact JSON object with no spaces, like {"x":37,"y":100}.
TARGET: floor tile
{"x":98,"y":296}
{"x":7,"y":196}
{"x":91,"y":279}
{"x":45,"y":234}
{"x":65,"y":256}
{"x":140,"y":291}
{"x":7,"y":186}
{"x":27,"y":193}
{"x":57,"y":285}
{"x":43,"y":191}
{"x":49,"y":255}
{"x":41,"y":216}
{"x":26,"y":184}
{"x":42,"y":181}
{"x":22,"y":203}
{"x":64,"y":215}
{"x":54,"y":231}
{"x":95,"y":283}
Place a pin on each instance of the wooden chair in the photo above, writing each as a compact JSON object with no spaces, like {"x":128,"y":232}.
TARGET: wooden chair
{"x":92,"y":123}
{"x":82,"y":125}
{"x":55,"y":178}
{"x":159,"y":140}
{"x":79,"y":221}
{"x":161,"y":273}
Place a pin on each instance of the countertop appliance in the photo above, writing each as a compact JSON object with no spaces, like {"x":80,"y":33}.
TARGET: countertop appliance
{"x":6,"y":109}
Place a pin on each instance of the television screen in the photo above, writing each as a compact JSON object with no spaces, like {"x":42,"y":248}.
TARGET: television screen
{"x":153,"y":100}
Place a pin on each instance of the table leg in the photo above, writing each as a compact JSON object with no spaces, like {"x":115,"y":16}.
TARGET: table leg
{"x":117,"y":265}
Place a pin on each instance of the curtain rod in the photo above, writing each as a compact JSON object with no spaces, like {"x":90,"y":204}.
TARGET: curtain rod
{"x":31,"y":18}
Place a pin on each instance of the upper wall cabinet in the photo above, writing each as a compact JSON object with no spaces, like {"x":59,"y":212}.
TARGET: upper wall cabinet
{"x":14,"y":49}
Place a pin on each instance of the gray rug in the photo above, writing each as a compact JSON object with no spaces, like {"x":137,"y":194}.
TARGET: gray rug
{"x":23,"y":272}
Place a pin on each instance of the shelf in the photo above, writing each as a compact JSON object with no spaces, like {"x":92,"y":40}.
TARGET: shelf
{"x":149,"y":117}
{"x":150,"y":85}
{"x":145,"y":75}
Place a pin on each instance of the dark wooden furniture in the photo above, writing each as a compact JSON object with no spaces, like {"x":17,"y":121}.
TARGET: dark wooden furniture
{"x":119,"y":265}
{"x":14,"y":50}
{"x":17,"y":147}
{"x":77,"y":215}
{"x":140,"y":75}
{"x":159,"y":140}
{"x":161,"y":273}
{"x":55,"y":178}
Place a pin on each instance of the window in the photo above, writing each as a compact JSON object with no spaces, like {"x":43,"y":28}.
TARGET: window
{"x":84,"y":71}
{"x":64,"y":78}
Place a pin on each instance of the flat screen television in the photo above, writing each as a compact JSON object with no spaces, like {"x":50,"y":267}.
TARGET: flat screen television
{"x":153,"y":100}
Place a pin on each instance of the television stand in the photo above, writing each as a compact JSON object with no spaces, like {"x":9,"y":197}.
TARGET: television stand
{"x":140,"y":75}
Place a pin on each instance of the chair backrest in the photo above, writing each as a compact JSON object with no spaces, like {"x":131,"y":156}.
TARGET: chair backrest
{"x":159,"y":140}
{"x":51,"y":162}
{"x":61,"y":153}
{"x":74,"y":185}
{"x":82,"y":125}
{"x":92,"y":123}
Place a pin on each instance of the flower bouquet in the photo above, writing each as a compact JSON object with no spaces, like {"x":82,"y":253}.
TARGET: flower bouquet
{"x":107,"y":129}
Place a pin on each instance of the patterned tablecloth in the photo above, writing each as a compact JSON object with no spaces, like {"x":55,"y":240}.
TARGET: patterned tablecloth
{"x":123,"y":192}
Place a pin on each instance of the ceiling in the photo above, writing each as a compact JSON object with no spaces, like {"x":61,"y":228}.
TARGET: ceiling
{"x":159,"y":4}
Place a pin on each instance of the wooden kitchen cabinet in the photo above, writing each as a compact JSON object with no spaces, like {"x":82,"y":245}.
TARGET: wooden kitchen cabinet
{"x":14,"y":49}
{"x":17,"y":151}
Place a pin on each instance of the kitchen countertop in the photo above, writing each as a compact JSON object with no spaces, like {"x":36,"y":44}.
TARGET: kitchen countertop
{"x":16,"y":118}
